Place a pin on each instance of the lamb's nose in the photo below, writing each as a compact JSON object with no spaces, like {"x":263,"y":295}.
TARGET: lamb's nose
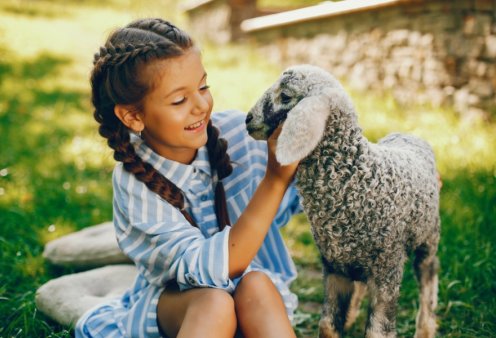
{"x":249,"y":117}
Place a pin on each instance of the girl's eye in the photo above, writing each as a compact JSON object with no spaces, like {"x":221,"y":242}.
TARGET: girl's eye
{"x":183,"y":99}
{"x":178,"y":102}
{"x":285,"y":99}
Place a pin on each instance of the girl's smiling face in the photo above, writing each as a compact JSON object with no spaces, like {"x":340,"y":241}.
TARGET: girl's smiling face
{"x":176,"y":111}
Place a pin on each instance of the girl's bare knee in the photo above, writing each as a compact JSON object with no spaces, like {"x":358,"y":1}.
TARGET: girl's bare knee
{"x":216,"y":308}
{"x":198,"y":309}
{"x":254,"y":288}
{"x":254,"y":281}
{"x":260,"y":308}
{"x":215,"y":300}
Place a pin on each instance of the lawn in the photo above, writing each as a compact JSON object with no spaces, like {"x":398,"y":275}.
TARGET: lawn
{"x":55,"y":170}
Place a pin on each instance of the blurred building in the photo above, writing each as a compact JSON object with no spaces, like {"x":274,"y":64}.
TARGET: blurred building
{"x":437,"y":51}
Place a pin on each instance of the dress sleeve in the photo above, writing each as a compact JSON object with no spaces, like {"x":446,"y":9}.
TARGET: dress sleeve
{"x":162,"y":243}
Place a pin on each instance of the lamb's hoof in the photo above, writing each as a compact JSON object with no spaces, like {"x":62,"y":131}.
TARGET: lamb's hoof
{"x":371,"y":334}
{"x":427,"y":329}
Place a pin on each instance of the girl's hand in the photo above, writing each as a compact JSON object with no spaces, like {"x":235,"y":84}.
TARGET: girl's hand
{"x":439,"y":180}
{"x":276,"y":171}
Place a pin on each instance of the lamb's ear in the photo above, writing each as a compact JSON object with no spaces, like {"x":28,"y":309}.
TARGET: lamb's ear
{"x":302,"y":129}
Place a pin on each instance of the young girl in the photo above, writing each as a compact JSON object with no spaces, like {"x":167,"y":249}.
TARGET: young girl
{"x":197,"y":202}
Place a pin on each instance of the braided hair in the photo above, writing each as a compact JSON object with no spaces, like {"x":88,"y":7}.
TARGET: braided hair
{"x":115,"y":80}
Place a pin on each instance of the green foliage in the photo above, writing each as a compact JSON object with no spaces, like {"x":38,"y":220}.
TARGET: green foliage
{"x":55,"y":170}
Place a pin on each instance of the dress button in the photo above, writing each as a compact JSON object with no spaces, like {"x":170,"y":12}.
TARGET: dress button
{"x":191,"y":280}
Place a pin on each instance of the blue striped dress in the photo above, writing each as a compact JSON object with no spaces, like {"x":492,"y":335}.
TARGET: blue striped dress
{"x":164,"y":246}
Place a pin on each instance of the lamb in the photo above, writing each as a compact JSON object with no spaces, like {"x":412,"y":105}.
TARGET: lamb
{"x":369,"y":205}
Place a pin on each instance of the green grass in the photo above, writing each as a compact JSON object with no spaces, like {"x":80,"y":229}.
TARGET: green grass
{"x":55,"y":170}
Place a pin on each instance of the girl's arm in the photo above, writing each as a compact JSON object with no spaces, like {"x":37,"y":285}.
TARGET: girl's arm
{"x":248,"y":234}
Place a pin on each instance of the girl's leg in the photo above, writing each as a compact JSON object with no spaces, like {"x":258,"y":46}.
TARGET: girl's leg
{"x":260,"y":309}
{"x":194,"y":313}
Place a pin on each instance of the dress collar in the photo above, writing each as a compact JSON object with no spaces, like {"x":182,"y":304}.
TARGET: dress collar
{"x":178,"y":173}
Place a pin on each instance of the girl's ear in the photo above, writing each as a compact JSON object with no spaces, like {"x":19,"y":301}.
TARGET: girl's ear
{"x":130,"y":117}
{"x":303,"y":129}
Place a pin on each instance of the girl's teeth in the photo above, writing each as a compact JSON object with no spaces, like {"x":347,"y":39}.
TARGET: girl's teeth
{"x":194,"y":126}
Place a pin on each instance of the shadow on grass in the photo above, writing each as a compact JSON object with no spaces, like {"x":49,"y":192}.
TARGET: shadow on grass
{"x":32,"y":197}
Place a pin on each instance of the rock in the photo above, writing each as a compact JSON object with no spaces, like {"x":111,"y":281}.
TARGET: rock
{"x":481,"y":88}
{"x":490,"y":46}
{"x":67,"y":298}
{"x":90,"y":247}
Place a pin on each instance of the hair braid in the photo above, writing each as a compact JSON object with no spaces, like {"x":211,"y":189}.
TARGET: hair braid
{"x":124,"y":152}
{"x":163,"y":28}
{"x":118,"y":138}
{"x":220,"y":162}
{"x":116,"y":55}
{"x":115,"y":80}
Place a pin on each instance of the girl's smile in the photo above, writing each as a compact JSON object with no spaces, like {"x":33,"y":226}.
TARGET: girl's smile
{"x":196,"y":127}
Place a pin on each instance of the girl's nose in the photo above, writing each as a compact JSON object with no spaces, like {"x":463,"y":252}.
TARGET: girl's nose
{"x":201,"y":104}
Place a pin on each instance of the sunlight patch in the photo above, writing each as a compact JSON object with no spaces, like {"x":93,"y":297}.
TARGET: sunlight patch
{"x":55,"y":230}
{"x":31,"y":266}
{"x":86,"y":152}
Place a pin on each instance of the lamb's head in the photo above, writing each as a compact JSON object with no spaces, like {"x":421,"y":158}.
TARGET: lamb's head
{"x":300,"y":99}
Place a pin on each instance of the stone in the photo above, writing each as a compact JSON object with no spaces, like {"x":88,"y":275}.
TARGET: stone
{"x":477,"y":24}
{"x":405,"y":68}
{"x":461,"y":46}
{"x":397,"y":37}
{"x":426,"y":41}
{"x":90,"y":247}
{"x":490,"y":46}
{"x":464,"y":99}
{"x":67,"y":298}
{"x":476,"y":67}
{"x":437,"y":97}
{"x":482,"y":88}
{"x":416,"y":72}
{"x":448,"y":93}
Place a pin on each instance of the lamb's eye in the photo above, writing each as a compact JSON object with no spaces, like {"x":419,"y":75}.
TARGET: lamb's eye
{"x":285,"y":99}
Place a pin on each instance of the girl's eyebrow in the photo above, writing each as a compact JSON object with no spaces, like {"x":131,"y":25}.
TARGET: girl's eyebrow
{"x":182,"y":88}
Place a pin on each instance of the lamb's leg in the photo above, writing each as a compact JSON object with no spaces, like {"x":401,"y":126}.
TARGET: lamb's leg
{"x":338,"y":291}
{"x":360,"y":290}
{"x":426,"y":267}
{"x":384,"y":293}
